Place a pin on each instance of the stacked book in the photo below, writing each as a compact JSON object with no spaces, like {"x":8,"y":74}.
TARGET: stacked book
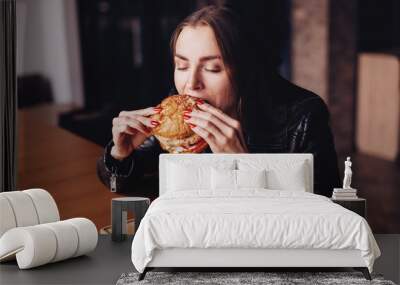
{"x":344,"y":194}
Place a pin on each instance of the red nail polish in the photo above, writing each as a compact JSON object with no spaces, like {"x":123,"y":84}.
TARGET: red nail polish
{"x":192,"y":125}
{"x":200,"y":101}
{"x":186,"y":117}
{"x":155,"y":123}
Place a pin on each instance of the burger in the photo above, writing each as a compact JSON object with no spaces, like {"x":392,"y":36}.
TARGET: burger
{"x":173,"y":133}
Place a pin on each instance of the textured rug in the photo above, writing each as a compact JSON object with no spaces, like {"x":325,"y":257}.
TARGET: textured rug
{"x":229,"y":278}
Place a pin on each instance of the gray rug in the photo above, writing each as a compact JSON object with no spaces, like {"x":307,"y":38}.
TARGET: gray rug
{"x":229,"y":278}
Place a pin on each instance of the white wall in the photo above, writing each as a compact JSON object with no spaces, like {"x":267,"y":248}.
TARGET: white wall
{"x":50,"y":46}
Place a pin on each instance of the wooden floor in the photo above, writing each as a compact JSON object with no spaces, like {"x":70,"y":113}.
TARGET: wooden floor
{"x":65,"y":165}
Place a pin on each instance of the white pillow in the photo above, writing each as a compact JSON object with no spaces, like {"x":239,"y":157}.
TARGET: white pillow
{"x":282,"y":175}
{"x":292,"y":179}
{"x":251,"y":178}
{"x":187,"y":176}
{"x":181,"y":178}
{"x":223,"y":179}
{"x":237,"y":179}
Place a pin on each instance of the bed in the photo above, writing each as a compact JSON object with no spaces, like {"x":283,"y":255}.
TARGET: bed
{"x":247,"y":210}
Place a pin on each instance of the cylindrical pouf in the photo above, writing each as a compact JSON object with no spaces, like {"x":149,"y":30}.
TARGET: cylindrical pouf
{"x":29,"y":207}
{"x":7,"y":218}
{"x":45,"y":205}
{"x":40,"y":244}
{"x":87,"y":235}
{"x":23,"y":208}
{"x":34,"y":245}
{"x":67,"y":239}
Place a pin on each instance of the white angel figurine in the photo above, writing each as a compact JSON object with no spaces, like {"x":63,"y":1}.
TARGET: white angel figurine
{"x":347,"y":174}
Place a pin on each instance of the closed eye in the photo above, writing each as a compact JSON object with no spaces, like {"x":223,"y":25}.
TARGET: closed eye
{"x":213,"y":70}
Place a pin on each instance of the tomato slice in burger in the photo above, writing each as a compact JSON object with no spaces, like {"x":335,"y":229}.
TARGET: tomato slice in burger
{"x":198,"y":147}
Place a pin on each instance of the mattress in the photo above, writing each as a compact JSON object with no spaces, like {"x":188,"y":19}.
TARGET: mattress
{"x":251,"y":219}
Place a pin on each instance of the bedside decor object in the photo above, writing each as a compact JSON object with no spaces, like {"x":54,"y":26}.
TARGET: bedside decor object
{"x":31,"y":231}
{"x":119,"y":214}
{"x":347,"y":174}
{"x":347,"y":192}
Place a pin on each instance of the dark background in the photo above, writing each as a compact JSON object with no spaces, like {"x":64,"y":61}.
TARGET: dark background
{"x":113,"y":82}
{"x":123,"y":70}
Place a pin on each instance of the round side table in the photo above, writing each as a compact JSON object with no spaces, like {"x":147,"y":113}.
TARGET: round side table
{"x":119,"y":214}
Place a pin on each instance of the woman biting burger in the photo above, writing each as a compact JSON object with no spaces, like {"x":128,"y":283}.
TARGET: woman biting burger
{"x":228,"y":98}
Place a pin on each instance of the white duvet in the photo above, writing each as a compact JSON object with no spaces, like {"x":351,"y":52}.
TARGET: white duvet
{"x":250,"y":218}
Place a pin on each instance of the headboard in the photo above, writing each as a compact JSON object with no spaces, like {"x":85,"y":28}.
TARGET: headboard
{"x":267,"y":159}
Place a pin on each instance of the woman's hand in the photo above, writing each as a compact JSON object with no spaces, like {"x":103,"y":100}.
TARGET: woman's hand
{"x":130,"y":129}
{"x":222,"y":133}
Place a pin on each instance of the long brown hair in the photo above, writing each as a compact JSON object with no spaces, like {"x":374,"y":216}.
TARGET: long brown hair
{"x":233,"y":45}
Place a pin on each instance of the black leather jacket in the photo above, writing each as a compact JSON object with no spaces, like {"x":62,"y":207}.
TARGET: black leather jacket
{"x":297,"y":121}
